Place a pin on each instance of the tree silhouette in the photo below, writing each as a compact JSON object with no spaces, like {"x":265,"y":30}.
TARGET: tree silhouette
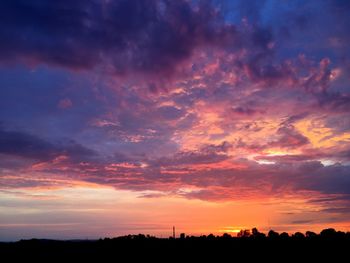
{"x":256,"y":234}
{"x":273,"y":235}
{"x":328,"y":233}
{"x":298,"y":235}
{"x":284,"y":235}
{"x":244,"y":233}
{"x":226,"y":236}
{"x":310,"y":234}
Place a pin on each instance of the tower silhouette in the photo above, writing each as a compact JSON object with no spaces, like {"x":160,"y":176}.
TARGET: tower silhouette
{"x":173,"y":231}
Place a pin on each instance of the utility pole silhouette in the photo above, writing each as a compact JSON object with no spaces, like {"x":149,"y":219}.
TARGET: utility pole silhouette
{"x":174,"y":232}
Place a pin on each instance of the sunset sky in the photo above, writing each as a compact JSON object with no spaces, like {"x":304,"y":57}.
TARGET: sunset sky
{"x":124,"y":117}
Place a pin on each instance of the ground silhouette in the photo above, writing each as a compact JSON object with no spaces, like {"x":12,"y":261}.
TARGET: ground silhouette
{"x":248,"y":246}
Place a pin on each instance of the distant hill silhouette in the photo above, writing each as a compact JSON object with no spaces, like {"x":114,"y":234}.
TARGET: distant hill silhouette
{"x":251,"y":245}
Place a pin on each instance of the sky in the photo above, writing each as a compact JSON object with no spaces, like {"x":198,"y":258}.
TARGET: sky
{"x":123,"y":117}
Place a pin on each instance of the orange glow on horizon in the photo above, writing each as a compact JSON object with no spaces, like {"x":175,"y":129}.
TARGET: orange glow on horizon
{"x":155,"y":215}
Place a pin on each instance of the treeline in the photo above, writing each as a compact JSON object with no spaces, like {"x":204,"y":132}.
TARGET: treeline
{"x":249,"y":245}
{"x":254,"y":234}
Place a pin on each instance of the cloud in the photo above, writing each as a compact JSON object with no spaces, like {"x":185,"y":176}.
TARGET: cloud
{"x":134,"y":36}
{"x":289,"y":138}
{"x":191,"y":157}
{"x":209,"y":100}
{"x":302,"y":222}
{"x":26,"y":145}
{"x":337,"y":210}
{"x":170,"y":113}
